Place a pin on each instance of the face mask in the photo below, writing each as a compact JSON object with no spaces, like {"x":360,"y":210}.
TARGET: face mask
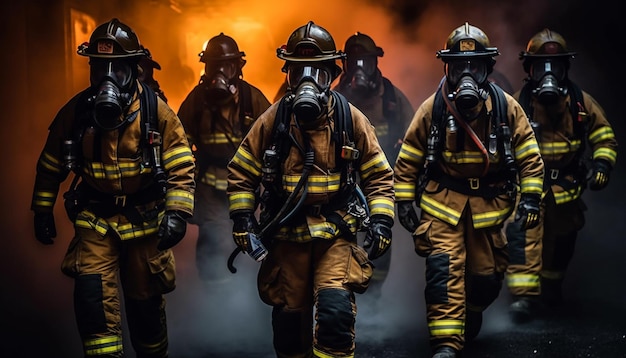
{"x":547,"y":75}
{"x":468,"y":97}
{"x":220,"y":80}
{"x":310,"y":94}
{"x":309,"y":102}
{"x":113,"y":81}
{"x":362,"y":72}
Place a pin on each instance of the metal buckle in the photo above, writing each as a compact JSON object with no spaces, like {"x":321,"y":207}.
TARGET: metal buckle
{"x":554,"y":174}
{"x":120,"y":200}
{"x":474,"y":183}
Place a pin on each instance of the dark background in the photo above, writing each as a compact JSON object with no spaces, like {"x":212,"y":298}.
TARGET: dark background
{"x":36,"y":316}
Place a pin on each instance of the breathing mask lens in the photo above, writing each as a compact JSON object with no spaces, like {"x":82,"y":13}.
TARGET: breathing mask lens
{"x":366,"y":64}
{"x":318,"y":74}
{"x":117,"y":71}
{"x":227,"y":68}
{"x":539,"y":69}
{"x":477,"y":69}
{"x":219,"y":76}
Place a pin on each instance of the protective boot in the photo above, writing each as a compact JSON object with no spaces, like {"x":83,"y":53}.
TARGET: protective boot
{"x":445,"y":352}
{"x":473,"y":323}
{"x":524,"y":309}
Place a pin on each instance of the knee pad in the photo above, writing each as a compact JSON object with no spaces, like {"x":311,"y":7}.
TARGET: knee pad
{"x":335,"y":319}
{"x":437,"y":276}
{"x":517,"y":243}
{"x":88,"y":304}
{"x":483,"y":290}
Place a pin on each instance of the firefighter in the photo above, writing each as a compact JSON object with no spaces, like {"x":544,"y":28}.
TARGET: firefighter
{"x":135,"y":189}
{"x":147,"y":65}
{"x":306,"y":151}
{"x":217,"y":114}
{"x":579,"y":150}
{"x":389,"y":110}
{"x":460,"y":161}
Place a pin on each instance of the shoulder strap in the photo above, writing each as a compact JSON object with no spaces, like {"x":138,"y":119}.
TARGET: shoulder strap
{"x":343,"y":136}
{"x":500,"y":106}
{"x":524,"y":100}
{"x":435,"y":144}
{"x":245,"y":104}
{"x":149,"y":107}
{"x":389,"y":103}
{"x":577,"y":109}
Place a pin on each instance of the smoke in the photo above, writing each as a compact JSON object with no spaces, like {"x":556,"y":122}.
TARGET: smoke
{"x":37,"y":299}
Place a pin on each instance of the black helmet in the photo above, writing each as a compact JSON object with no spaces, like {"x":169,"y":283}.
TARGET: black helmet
{"x":546,"y":44}
{"x":310,"y":43}
{"x":220,"y":48}
{"x":360,"y":44}
{"x":467,"y":41}
{"x":113,"y":39}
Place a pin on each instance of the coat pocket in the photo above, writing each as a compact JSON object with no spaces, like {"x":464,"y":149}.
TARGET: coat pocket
{"x":360,"y":270}
{"x":421,"y":239}
{"x":163,"y":270}
{"x":268,"y":283}
{"x":71,"y":261}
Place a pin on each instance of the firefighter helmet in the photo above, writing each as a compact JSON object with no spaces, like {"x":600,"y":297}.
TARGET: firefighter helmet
{"x":546,"y":44}
{"x":112,"y":39}
{"x":467,"y":41}
{"x":361,"y":44}
{"x":220,"y":48}
{"x":311,"y":43}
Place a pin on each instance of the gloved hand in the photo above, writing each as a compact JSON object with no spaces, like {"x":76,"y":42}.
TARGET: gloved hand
{"x":599,"y":174}
{"x":243,"y":224}
{"x":527,"y":214}
{"x":378,"y":238}
{"x":407,"y":215}
{"x":45,"y":230}
{"x":172,"y":230}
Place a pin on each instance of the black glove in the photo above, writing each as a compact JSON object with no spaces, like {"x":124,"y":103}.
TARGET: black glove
{"x":378,"y":238}
{"x":243,"y":225}
{"x":45,"y":230}
{"x":407,"y":215}
{"x":599,"y":174}
{"x":527,"y":214}
{"x":172,"y":230}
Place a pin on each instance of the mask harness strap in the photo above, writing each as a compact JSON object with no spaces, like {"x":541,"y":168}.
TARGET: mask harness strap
{"x":467,"y":128}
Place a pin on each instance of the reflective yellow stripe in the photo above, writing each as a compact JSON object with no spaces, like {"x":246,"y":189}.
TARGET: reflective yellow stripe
{"x":104,"y":345}
{"x":608,"y":154}
{"x":177,"y":156}
{"x":377,"y":164}
{"x":522,"y":280}
{"x":404,"y":191}
{"x":242,"y":200}
{"x":411,"y":154}
{"x":601,"y":134}
{"x":526,"y":149}
{"x":179,"y":199}
{"x":555,"y":148}
{"x":382,"y":206}
{"x":439,"y":211}
{"x":446,"y":327}
{"x":491,"y":218}
{"x":319,"y":354}
{"x":531,"y":185}
{"x":567,"y":196}
{"x":247,"y":162}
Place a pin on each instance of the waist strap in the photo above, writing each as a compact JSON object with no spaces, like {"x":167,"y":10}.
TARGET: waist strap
{"x":108,"y":204}
{"x":486,"y":187}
